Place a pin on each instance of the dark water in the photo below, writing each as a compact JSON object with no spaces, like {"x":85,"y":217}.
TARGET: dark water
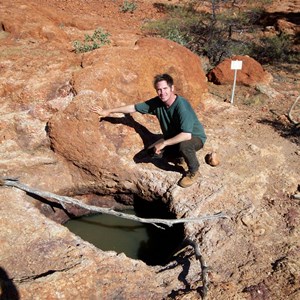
{"x":110,"y":233}
{"x":137,"y":240}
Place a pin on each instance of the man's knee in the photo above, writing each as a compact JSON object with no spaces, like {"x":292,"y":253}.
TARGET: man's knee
{"x":192,"y":145}
{"x":186,"y":147}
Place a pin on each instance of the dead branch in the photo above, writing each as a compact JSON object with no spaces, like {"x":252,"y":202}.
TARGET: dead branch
{"x":72,"y":201}
{"x":290,"y":112}
{"x":203,"y":266}
{"x":296,"y":196}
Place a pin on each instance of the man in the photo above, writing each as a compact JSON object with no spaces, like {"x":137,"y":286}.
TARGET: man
{"x":182,"y":131}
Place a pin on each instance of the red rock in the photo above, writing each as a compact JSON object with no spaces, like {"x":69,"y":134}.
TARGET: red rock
{"x":128,"y":72}
{"x":251,"y":74}
{"x":288,"y":27}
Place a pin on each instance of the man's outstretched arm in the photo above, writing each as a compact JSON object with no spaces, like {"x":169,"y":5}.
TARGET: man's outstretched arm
{"x":127,"y":109}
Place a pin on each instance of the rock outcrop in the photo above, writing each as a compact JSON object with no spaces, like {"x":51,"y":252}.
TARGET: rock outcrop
{"x":251,"y":74}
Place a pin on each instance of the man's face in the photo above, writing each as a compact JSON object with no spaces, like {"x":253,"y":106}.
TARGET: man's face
{"x":164,"y":92}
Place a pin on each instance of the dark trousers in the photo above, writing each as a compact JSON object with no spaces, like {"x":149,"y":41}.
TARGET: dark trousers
{"x":185,"y":149}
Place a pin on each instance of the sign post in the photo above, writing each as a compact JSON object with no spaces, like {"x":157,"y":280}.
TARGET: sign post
{"x":235,"y":65}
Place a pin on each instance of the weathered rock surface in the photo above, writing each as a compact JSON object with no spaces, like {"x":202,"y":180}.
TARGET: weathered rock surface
{"x":46,"y":89}
{"x":50,"y":263}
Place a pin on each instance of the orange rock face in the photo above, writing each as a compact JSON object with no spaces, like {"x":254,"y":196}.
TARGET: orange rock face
{"x":127,"y":73}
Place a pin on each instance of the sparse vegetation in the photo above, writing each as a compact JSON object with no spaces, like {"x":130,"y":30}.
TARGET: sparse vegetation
{"x":258,"y":99}
{"x":222,"y":33}
{"x":274,"y":49}
{"x":128,"y":6}
{"x":91,"y":42}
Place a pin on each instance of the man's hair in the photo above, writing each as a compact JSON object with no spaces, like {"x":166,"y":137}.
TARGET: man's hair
{"x":161,"y":77}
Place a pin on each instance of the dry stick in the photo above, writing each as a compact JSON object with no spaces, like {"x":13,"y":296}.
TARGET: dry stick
{"x":290,"y":112}
{"x":203,"y":266}
{"x":68,"y":200}
{"x":296,"y":196}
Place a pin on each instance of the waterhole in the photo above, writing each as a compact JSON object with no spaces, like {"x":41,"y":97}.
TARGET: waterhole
{"x":137,"y":240}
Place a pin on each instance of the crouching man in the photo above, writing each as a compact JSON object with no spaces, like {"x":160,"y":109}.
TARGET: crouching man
{"x":183,"y":134}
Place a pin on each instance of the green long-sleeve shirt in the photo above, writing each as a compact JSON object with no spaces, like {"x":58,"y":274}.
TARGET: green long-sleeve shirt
{"x":179,"y":117}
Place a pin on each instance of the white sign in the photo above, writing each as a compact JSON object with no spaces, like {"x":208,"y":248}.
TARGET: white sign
{"x":236,"y":65}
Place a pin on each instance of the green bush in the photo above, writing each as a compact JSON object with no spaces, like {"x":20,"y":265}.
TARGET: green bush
{"x":176,"y":27}
{"x":91,"y":42}
{"x":128,"y":6}
{"x":192,"y":29}
{"x":273,"y":49}
{"x":176,"y":35}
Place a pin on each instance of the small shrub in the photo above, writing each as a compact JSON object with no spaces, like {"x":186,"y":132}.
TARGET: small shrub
{"x":255,"y":100}
{"x":175,"y":28}
{"x":91,"y":42}
{"x":273,"y":49}
{"x":128,"y":6}
{"x":175,"y":35}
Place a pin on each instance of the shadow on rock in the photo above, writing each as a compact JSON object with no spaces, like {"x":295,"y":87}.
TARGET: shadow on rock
{"x":291,"y":132}
{"x":147,"y":136}
{"x":161,"y":163}
{"x":8,"y":290}
{"x":148,"y":139}
{"x":185,"y":264}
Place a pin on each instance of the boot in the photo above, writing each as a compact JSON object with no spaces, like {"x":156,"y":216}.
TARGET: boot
{"x":189,"y":179}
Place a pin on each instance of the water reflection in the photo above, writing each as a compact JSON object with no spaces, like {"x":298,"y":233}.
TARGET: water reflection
{"x":153,"y":245}
{"x":110,"y":233}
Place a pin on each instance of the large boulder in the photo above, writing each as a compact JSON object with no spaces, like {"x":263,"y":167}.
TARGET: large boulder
{"x":126,"y":74}
{"x":251,"y":74}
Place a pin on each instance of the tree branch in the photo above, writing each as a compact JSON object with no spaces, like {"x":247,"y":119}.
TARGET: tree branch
{"x":72,"y":201}
{"x":203,"y":267}
{"x":296,"y":196}
{"x":290,"y":112}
